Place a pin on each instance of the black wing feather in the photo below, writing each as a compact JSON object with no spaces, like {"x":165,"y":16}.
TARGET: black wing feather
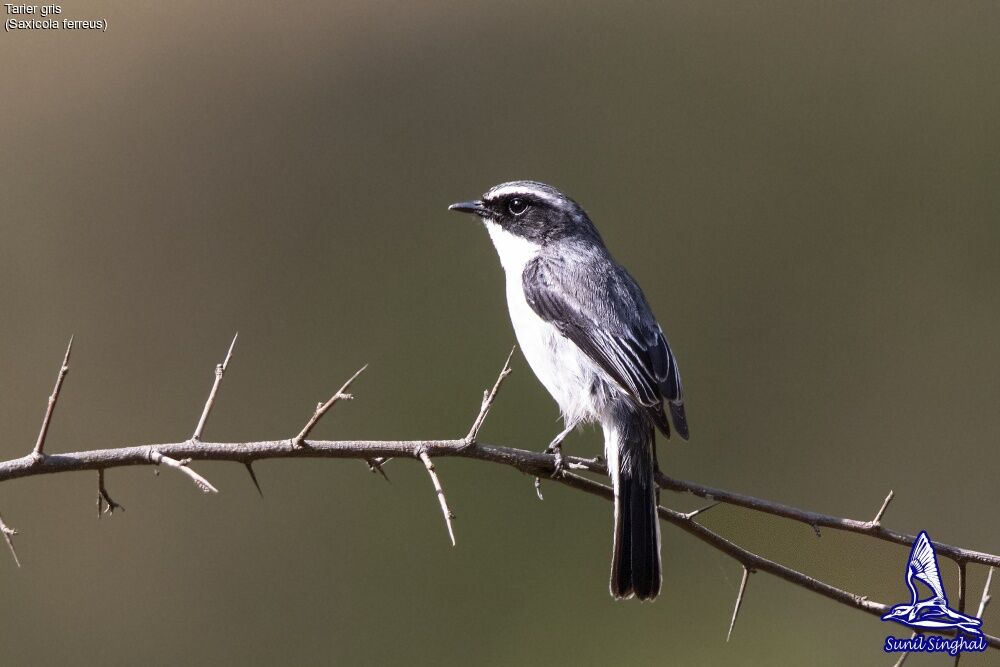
{"x":632,"y":350}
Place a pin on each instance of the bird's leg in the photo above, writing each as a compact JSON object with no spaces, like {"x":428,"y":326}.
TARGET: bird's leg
{"x":555,"y":447}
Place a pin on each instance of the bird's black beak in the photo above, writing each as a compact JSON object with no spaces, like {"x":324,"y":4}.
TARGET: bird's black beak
{"x":476,"y":207}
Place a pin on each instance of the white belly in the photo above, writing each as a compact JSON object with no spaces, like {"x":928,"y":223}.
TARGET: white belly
{"x":558,"y":363}
{"x":566,"y":372}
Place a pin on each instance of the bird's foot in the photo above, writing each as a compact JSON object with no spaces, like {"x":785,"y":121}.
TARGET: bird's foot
{"x":557,"y":468}
{"x":556,"y":449}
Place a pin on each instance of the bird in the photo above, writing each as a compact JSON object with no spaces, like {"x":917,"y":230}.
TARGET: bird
{"x":934,"y":611}
{"x":590,"y":336}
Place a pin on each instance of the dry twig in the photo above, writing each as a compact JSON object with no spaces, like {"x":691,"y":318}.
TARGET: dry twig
{"x":104,"y":501}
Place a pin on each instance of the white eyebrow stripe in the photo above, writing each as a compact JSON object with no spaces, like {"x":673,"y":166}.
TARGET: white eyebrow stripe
{"x":520,"y":189}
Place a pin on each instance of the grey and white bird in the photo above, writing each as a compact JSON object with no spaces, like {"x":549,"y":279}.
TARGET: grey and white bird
{"x":589,"y":335}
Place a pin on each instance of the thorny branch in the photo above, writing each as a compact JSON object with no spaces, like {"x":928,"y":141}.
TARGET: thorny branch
{"x":815,"y":519}
{"x":179,"y":455}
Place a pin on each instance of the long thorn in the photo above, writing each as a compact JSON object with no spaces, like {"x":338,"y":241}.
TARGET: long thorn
{"x":323,"y":407}
{"x":439,"y":490}
{"x":220,"y":371}
{"x":877,"y":521}
{"x":8,"y":536}
{"x":985,"y":600}
{"x":488,"y":398}
{"x":253,"y":476}
{"x":44,"y":431}
{"x":377,"y":464}
{"x":961,"y":588}
{"x":739,"y":601}
{"x":691,"y":515}
{"x":182,"y":466}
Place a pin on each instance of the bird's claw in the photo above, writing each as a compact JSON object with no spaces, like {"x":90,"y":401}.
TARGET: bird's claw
{"x":558,"y":466}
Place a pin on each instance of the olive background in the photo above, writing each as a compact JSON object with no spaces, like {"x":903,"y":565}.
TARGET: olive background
{"x":807,"y":193}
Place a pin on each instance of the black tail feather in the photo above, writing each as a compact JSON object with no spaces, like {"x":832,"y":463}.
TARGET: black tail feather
{"x":635,"y":564}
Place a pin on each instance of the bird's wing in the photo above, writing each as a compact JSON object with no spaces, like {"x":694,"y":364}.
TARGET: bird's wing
{"x":923,"y":564}
{"x":939,"y":616}
{"x":615,"y":327}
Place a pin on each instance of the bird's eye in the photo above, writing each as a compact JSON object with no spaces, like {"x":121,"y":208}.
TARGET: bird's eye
{"x":517,"y":206}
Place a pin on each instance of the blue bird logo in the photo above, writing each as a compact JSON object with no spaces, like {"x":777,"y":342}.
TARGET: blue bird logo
{"x":932,"y":612}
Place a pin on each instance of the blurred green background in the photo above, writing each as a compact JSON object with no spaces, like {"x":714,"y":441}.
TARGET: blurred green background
{"x":808,"y":193}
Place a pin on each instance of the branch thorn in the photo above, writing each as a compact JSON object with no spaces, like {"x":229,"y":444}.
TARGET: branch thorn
{"x":377,"y":464}
{"x":488,"y":398}
{"x":877,"y":521}
{"x":321,"y":408}
{"x":439,"y":490}
{"x":253,"y":476}
{"x":182,"y":466}
{"x":691,"y":515}
{"x":43,"y":432}
{"x":8,"y":536}
{"x":220,"y":371}
{"x":985,"y":600}
{"x":961,"y":587}
{"x":739,"y":601}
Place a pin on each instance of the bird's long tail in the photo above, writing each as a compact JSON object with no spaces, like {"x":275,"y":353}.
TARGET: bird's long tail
{"x":629,"y":440}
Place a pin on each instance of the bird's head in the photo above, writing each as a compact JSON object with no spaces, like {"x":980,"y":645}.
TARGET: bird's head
{"x":899,"y":611}
{"x":532,"y":211}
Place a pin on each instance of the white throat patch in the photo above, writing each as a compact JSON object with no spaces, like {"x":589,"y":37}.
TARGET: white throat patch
{"x":515,"y":252}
